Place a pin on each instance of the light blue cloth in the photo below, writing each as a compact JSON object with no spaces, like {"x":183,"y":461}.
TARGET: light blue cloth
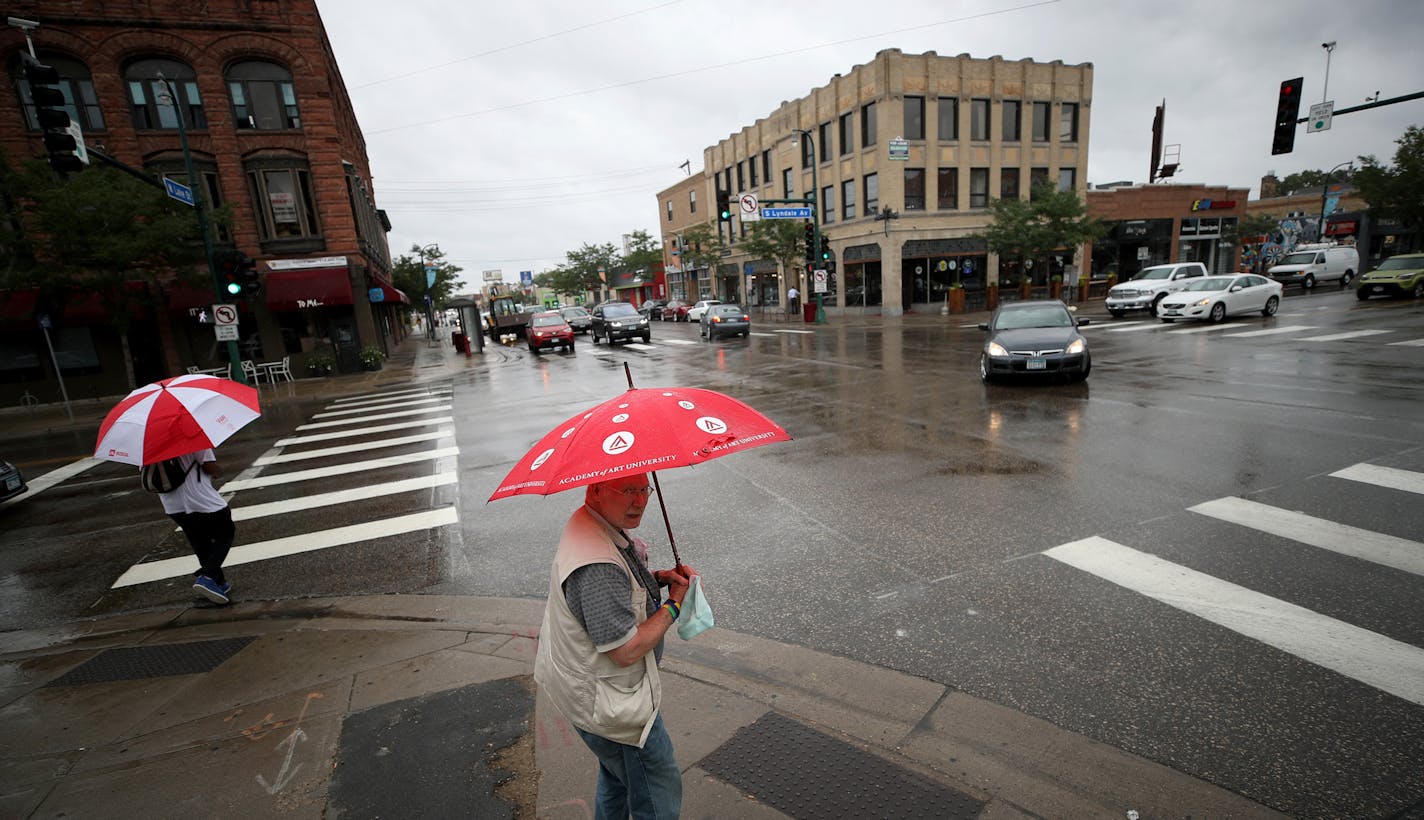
{"x":696,"y":614}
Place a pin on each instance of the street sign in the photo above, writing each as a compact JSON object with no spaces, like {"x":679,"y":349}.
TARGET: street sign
{"x":750,"y":208}
{"x":899,"y":149}
{"x":225,"y":333}
{"x":492,"y":276}
{"x":1320,"y":114}
{"x":786,"y":213}
{"x":818,"y":281}
{"x":375,"y":295}
{"x":224,"y":314}
{"x":178,"y":191}
{"x":526,"y":277}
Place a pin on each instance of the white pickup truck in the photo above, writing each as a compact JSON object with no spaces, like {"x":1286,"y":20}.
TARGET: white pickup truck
{"x":1146,"y":289}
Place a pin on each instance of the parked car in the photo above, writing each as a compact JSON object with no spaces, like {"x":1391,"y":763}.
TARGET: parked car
{"x":1401,"y":275}
{"x":12,"y":481}
{"x":694,"y":313}
{"x":548,"y":329}
{"x":1216,"y":297}
{"x":653,"y":308}
{"x":619,"y":320}
{"x":577,"y":317}
{"x":725,"y":320}
{"x":674,"y":311}
{"x":1310,"y":264}
{"x":1035,"y":337}
{"x":1146,"y":289}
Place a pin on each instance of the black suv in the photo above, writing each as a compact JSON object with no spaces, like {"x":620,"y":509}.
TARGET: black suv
{"x":619,"y":320}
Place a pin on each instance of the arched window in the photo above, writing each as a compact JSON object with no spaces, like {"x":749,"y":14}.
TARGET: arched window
{"x":76,"y":86}
{"x":152,"y":99}
{"x":263,"y":97}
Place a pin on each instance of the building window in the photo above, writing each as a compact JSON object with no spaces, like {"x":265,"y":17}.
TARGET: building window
{"x":828,"y":204}
{"x":752,"y":171}
{"x":848,"y":199}
{"x":263,"y":97}
{"x":741,"y":182}
{"x":825,"y":138}
{"x":948,"y":119}
{"x":1067,"y":178}
{"x":978,"y":187}
{"x":808,"y":151}
{"x":867,"y":125}
{"x":1008,"y":183}
{"x":1011,"y":121}
{"x":669,"y":210}
{"x":76,"y":87}
{"x":872,"y":194}
{"x":847,"y":135}
{"x":788,"y":188}
{"x":914,"y":118}
{"x":171,"y":166}
{"x":914,"y":189}
{"x":691,"y":202}
{"x":979,"y":120}
{"x":1036,"y":178}
{"x":282,"y":198}
{"x":151,"y":100}
{"x":1040,"y":122}
{"x":766,"y":165}
{"x":948,"y":189}
{"x":1068,"y":122}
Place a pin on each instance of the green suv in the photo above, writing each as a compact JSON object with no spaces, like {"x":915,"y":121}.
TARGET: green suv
{"x":1401,"y":275}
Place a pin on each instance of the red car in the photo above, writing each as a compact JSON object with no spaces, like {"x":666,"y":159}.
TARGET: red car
{"x":548,"y":329}
{"x":674,"y":311}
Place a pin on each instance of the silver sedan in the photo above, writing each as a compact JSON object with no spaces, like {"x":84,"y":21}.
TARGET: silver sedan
{"x":1215,"y":297}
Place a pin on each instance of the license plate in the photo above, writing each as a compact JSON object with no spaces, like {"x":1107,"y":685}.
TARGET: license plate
{"x":1377,"y":289}
{"x":1037,"y":364}
{"x":1172,"y":313}
{"x":12,"y":483}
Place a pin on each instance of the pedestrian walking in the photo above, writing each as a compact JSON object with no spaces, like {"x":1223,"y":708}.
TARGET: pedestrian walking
{"x":600,"y":644}
{"x":206,"y":522}
{"x":792,"y":300}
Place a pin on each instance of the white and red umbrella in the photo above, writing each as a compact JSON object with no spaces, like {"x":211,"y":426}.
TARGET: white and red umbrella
{"x":174,"y":417}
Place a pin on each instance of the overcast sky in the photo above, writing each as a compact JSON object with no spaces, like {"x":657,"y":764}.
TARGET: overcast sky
{"x":510,"y":133}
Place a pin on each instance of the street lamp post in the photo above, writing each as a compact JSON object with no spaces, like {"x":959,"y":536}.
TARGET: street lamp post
{"x":814,"y":200}
{"x":429,"y":284}
{"x":1325,"y":191}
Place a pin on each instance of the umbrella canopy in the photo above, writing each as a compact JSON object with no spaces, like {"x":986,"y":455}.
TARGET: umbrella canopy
{"x":174,"y":417}
{"x":640,"y":431}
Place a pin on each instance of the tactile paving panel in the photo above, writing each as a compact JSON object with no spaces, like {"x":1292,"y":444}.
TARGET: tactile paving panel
{"x":157,"y":661}
{"x":807,"y":774}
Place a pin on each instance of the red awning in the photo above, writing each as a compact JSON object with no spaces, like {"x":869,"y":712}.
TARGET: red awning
{"x":183,"y":297}
{"x":86,"y":306}
{"x":393,"y":294}
{"x":1345,"y":226}
{"x":307,"y":288}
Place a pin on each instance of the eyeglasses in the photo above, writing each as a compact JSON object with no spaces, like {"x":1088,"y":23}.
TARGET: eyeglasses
{"x":635,"y":492}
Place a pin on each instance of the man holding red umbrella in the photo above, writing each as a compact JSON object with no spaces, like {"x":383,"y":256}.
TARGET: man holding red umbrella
{"x":206,"y":521}
{"x":599,"y":647}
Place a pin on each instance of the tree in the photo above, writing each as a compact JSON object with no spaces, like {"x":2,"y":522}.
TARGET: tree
{"x":781,"y":240}
{"x":643,"y":251}
{"x":703,"y":246}
{"x":408,"y":274}
{"x":1394,"y":193}
{"x":1315,"y":178}
{"x":1050,"y":221}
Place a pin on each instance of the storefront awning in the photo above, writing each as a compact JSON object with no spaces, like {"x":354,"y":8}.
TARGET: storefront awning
{"x":392,"y":294}
{"x":307,"y":288}
{"x":87,"y":306}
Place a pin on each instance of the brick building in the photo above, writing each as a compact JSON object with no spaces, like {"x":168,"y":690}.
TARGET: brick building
{"x":1152,"y":224}
{"x":272,"y":135}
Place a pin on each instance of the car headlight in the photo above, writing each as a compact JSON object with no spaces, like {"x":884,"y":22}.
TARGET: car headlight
{"x":996,"y":349}
{"x":1202,"y":302}
{"x":1078,"y":346}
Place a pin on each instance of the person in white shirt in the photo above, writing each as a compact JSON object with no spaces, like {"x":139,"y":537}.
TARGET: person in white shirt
{"x":792,"y":295}
{"x":206,"y":521}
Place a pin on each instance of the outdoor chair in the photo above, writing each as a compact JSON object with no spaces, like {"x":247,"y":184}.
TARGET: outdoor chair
{"x":250,"y":371}
{"x":276,"y":370}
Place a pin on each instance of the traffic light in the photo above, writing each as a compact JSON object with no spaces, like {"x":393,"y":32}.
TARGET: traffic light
{"x":63,"y":142}
{"x":724,"y":206}
{"x":825,"y":248}
{"x":1287,"y":112}
{"x":238,"y":275}
{"x":810,"y":242}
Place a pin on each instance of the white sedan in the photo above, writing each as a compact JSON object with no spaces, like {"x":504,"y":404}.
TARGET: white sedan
{"x":694,"y":313}
{"x":1216,"y":297}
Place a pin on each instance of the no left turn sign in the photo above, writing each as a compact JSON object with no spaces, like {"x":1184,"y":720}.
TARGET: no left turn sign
{"x":750,"y":208}
{"x":224,"y":314}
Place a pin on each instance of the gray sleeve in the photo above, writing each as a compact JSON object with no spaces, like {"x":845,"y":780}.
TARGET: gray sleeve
{"x":599,"y":595}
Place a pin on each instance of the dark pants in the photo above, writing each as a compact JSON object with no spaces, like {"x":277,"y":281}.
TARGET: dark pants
{"x":211,"y":535}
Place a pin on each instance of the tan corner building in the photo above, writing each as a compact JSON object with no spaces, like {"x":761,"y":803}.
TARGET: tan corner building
{"x":905,"y":154}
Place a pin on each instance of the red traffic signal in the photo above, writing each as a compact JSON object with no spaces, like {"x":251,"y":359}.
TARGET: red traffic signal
{"x":1287,"y":112}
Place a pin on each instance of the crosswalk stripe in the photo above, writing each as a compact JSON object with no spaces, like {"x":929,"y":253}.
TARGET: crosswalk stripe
{"x":273,"y":479}
{"x":1132,"y":328}
{"x":292,"y":545}
{"x":640,"y":346}
{"x":1393,"y":478}
{"x":1200,"y":329}
{"x":1410,"y":343}
{"x":364,"y":446}
{"x":764,"y":335}
{"x":799,"y":332}
{"x":380,"y":397}
{"x":377,"y":408}
{"x":1376,"y":660}
{"x":1271,"y":331}
{"x":308,"y":502}
{"x":677,"y":342}
{"x":1367,"y":545}
{"x":58,"y":475}
{"x":1336,"y":337}
{"x":1114,"y":325}
{"x":399,"y":414}
{"x":364,"y":431}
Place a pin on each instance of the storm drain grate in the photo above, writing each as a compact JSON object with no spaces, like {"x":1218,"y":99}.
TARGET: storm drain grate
{"x":140,"y":662}
{"x":807,"y":774}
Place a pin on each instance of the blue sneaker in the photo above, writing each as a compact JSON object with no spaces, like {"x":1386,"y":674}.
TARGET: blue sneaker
{"x":212,"y":590}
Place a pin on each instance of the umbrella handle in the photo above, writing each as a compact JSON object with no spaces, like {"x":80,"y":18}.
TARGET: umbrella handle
{"x":672,"y":542}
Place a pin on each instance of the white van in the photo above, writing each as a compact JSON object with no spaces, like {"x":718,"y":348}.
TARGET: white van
{"x":1309,"y":264}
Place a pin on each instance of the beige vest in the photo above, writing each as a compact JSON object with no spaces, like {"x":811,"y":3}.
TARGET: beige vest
{"x":589,"y":689}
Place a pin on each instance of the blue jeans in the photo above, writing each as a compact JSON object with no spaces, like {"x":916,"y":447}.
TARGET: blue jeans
{"x":645,"y":783}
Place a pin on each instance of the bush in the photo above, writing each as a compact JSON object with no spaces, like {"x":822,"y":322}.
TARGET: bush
{"x":371,"y":355}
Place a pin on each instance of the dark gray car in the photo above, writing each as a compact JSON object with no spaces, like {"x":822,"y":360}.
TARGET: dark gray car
{"x":1033,"y":338}
{"x":578,"y":318}
{"x":619,"y":320}
{"x":726,"y":320}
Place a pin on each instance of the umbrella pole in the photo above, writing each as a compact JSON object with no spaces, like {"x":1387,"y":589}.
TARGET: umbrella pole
{"x":672,"y":542}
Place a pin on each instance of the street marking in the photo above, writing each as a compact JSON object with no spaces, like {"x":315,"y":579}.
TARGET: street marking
{"x":1390,"y":477}
{"x":596,"y":350}
{"x":337,"y":469}
{"x":445,"y":432}
{"x":379,"y":428}
{"x":1131,"y":328}
{"x":379,"y":397}
{"x":1376,"y":660}
{"x":1367,"y":545}
{"x":801,"y":332}
{"x":40,"y":483}
{"x":1116,"y":325}
{"x":1271,"y":331}
{"x":763,"y":335}
{"x":342,"y":496}
{"x":640,"y":346}
{"x":379,"y":407}
{"x":1201,"y":329}
{"x":1335,"y":337}
{"x":678,"y":342}
{"x":292,"y":545}
{"x":400,"y":414}
{"x":1410,"y":343}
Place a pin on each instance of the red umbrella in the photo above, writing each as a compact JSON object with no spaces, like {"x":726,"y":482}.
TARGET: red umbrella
{"x":640,"y":431}
{"x":174,"y":417}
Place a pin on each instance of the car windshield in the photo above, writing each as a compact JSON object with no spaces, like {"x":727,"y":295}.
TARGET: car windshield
{"x":1402,"y":263}
{"x":620,"y":309}
{"x":1210,"y":283}
{"x":547,"y":320}
{"x":1153,"y":273}
{"x":1298,"y":259}
{"x":574,"y":313}
{"x":1047,"y":316}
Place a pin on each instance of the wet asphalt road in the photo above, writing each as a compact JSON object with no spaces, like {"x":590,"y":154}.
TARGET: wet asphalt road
{"x":907,"y":522}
